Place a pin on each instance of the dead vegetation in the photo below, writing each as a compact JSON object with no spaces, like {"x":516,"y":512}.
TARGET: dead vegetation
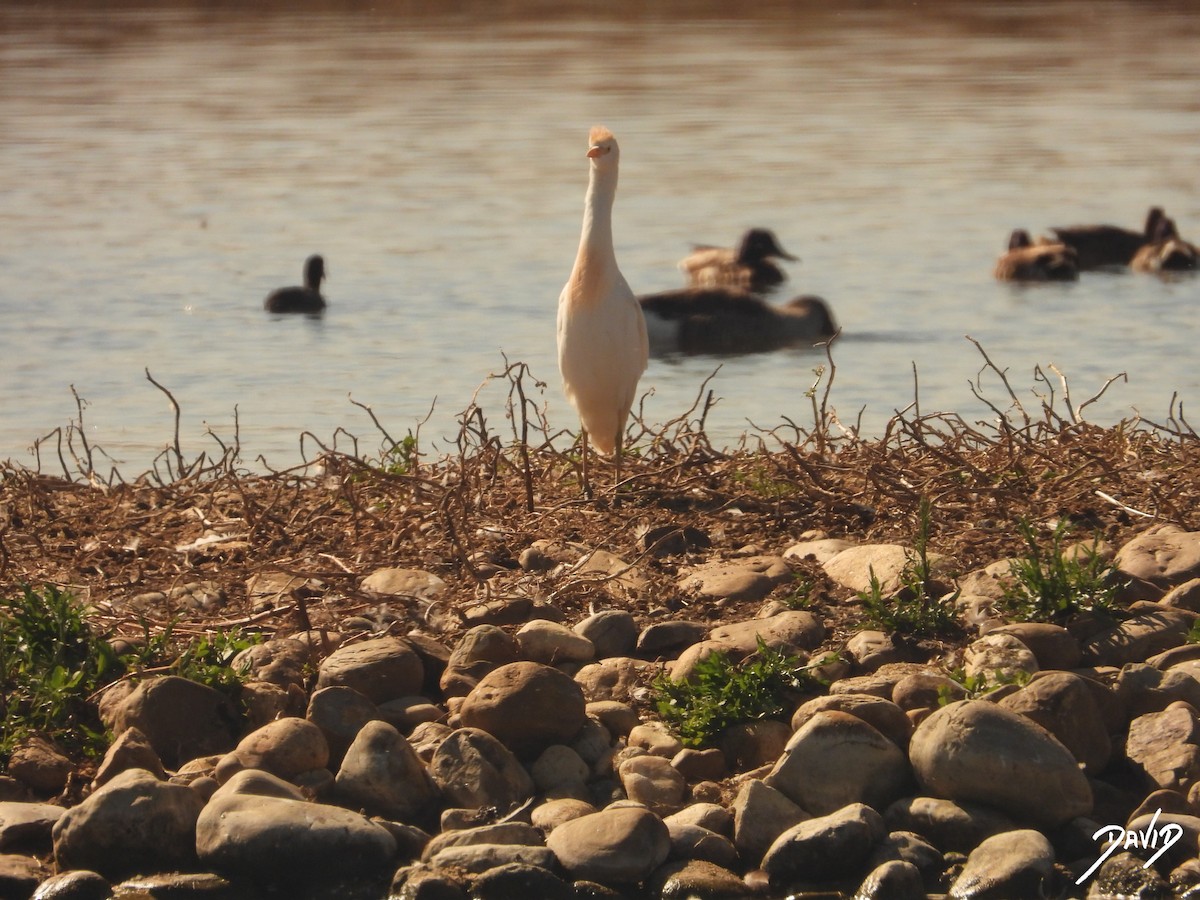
{"x":134,"y":550}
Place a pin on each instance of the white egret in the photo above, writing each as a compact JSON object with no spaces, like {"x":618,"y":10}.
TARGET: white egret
{"x":602,"y":346}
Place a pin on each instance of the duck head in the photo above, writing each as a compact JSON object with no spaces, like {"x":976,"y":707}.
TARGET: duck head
{"x":759,"y":244}
{"x":1156,"y":220}
{"x":314,"y":272}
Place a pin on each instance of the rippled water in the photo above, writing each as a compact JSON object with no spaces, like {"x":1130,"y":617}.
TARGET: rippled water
{"x":162,"y":167}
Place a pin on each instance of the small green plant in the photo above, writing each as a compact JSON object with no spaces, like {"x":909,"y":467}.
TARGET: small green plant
{"x":721,"y":693}
{"x":209,"y":660}
{"x":914,"y":609}
{"x":401,"y":457}
{"x":800,"y":596}
{"x":1048,"y":585}
{"x":1193,"y":636}
{"x":50,"y":664}
{"x":762,"y":482}
{"x":980,"y":684}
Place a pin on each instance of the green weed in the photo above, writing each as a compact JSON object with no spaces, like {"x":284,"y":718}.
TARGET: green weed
{"x":760,"y":480}
{"x":209,"y":660}
{"x":401,"y":457}
{"x":914,"y":609}
{"x":50,"y":664}
{"x":722,"y":693}
{"x":800,"y":596}
{"x":980,"y":684}
{"x":1049,"y":586}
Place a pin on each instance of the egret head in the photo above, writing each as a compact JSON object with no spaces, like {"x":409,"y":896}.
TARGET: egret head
{"x":602,"y":147}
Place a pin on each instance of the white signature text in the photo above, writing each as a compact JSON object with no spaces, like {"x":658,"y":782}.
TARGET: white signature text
{"x":1152,"y":837}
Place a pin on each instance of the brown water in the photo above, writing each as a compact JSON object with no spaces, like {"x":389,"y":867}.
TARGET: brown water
{"x":163,"y":166}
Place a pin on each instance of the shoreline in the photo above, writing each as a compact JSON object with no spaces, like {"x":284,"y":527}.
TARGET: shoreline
{"x":499,"y":538}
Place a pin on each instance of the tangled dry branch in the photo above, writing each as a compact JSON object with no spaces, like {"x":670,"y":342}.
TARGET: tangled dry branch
{"x":136,"y":549}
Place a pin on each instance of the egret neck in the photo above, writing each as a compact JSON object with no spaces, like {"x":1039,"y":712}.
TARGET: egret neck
{"x":595,"y":267}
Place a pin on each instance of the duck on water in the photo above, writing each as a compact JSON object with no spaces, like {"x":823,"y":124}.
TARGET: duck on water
{"x":306,"y":299}
{"x":728,"y":320}
{"x":1102,"y":246}
{"x":1041,"y":260}
{"x":747,"y":267}
{"x":1168,"y":252}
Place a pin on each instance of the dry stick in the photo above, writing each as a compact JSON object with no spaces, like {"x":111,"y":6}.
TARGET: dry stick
{"x":1183,"y":418}
{"x":1120,"y":376}
{"x":82,"y":435}
{"x":345,"y":568}
{"x":229,"y":455}
{"x":1174,"y":429}
{"x":953,"y":463}
{"x":1002,"y":374}
{"x":1076,"y":416}
{"x":1049,"y":416}
{"x":523,"y":443}
{"x":916,"y":391}
{"x":705,"y":401}
{"x":37,"y":449}
{"x":828,"y":384}
{"x":576,"y":578}
{"x":175,"y":406}
{"x":814,"y":476}
{"x":452,"y":532}
{"x":1129,"y":509}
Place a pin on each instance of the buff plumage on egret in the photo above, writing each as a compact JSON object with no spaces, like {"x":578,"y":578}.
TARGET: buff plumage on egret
{"x":602,"y":346}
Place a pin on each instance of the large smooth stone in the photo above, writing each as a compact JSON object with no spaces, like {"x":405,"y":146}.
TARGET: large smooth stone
{"x":974,"y":750}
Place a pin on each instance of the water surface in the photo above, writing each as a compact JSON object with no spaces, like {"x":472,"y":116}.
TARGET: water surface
{"x":164,"y":166}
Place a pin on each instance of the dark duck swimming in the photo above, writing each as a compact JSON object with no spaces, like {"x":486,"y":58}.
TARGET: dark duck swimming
{"x":306,"y":299}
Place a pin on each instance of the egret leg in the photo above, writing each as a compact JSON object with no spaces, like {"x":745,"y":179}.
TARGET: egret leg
{"x":587,"y":485}
{"x":617,"y":455}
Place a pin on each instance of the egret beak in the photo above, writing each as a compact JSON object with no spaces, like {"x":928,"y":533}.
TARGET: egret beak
{"x":596,"y":150}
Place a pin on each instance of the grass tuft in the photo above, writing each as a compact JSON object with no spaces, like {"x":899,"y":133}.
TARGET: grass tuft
{"x":53,"y":662}
{"x":722,"y":693}
{"x":915,"y":610}
{"x":50,"y":664}
{"x":1050,"y":586}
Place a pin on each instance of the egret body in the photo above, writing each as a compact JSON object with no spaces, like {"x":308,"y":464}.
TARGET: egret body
{"x":602,"y":346}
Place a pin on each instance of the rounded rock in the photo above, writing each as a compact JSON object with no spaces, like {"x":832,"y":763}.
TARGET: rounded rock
{"x":976,"y":751}
{"x":836,"y":759}
{"x":653,"y":781}
{"x":552,"y":643}
{"x":134,"y":824}
{"x":285,"y":747}
{"x":1012,"y":864}
{"x":474,"y":770}
{"x":380,"y":669}
{"x":613,"y":632}
{"x":181,"y":719}
{"x":526,"y":706}
{"x":80,"y":884}
{"x":382,"y":774}
{"x":618,"y":845}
